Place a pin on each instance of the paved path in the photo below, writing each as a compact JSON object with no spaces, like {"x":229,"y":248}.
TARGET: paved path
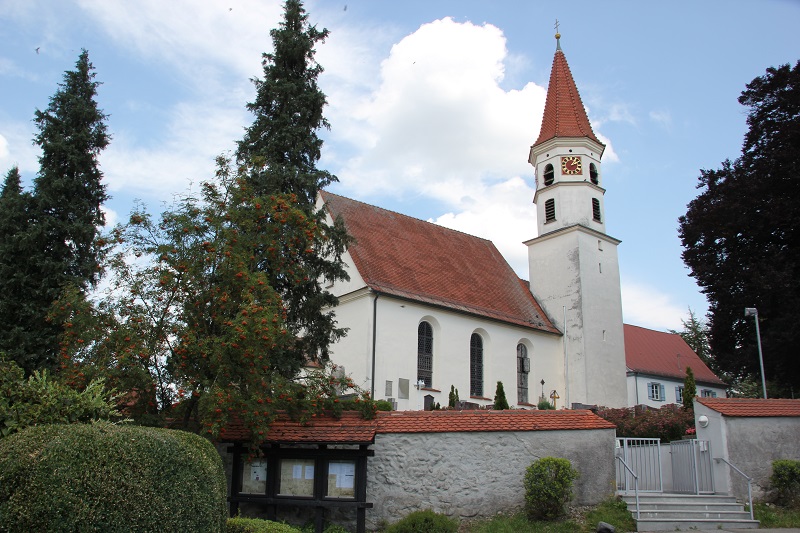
{"x":780,"y":530}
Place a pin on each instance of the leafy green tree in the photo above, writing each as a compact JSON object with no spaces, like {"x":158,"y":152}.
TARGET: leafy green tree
{"x":689,"y":390}
{"x":500,"y":401}
{"x":279,"y":154}
{"x":741,"y":240}
{"x":57,"y":242}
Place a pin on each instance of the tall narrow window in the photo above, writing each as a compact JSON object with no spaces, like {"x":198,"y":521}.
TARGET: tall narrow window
{"x":593,"y":174}
{"x":425,"y":354}
{"x":550,"y":210}
{"x":476,"y":365}
{"x":523,"y":369}
{"x":549,"y":174}
{"x":596,"y":210}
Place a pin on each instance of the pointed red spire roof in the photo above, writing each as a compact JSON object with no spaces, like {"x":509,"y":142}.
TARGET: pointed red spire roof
{"x":564,"y":114}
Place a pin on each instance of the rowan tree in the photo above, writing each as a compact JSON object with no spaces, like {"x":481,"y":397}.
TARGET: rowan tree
{"x":741,"y":239}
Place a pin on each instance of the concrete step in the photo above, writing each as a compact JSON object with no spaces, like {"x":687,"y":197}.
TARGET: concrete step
{"x":692,"y":525}
{"x":690,"y":514}
{"x":688,"y":506}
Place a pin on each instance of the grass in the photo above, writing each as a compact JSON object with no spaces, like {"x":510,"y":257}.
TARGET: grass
{"x":611,"y":511}
{"x":773,"y":516}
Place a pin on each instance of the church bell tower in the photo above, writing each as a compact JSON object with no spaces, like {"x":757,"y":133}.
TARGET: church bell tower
{"x":573,"y":263}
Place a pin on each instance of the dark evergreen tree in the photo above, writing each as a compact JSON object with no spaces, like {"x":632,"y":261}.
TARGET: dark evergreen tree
{"x":741,"y":238}
{"x":500,"y":401}
{"x":58,"y":242}
{"x":689,"y":390}
{"x":278,"y":155}
{"x":695,"y":334}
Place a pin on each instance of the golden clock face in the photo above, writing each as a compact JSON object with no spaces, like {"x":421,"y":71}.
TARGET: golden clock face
{"x":571,"y":165}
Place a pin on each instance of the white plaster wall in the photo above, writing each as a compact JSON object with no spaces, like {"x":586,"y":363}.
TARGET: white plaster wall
{"x":398,"y":321}
{"x":354,"y":350}
{"x":478,"y":474}
{"x":641,"y":381}
{"x":717,"y":435}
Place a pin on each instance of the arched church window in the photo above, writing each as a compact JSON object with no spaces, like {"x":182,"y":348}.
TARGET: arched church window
{"x":596,"y":210}
{"x":523,"y":369}
{"x":593,"y":175}
{"x":549,"y":175}
{"x":425,"y":354}
{"x":550,"y":210}
{"x":476,"y":365}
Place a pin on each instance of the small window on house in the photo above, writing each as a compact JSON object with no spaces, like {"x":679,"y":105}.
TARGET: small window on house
{"x":596,"y":209}
{"x":593,"y":175}
{"x":708,"y":393}
{"x":476,"y":365}
{"x":523,"y":369}
{"x":655,"y":392}
{"x":425,"y":354}
{"x":549,"y":174}
{"x":550,"y":210}
{"x":678,"y":394}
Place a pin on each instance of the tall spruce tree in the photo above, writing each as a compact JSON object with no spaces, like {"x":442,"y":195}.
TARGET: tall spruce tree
{"x":59,"y":239}
{"x":278,"y":154}
{"x":741,"y":238}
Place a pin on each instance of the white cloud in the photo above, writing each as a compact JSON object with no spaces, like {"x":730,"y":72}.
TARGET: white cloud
{"x":17,"y":148}
{"x":439,"y":122}
{"x":649,"y":307}
{"x":3,"y":147}
{"x":663,"y":118}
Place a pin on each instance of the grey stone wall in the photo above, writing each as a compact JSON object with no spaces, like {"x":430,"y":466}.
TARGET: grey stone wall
{"x":478,"y":474}
{"x":753,"y":443}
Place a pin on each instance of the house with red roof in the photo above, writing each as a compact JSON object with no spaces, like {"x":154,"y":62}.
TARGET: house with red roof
{"x":429,"y":308}
{"x":656,"y":367}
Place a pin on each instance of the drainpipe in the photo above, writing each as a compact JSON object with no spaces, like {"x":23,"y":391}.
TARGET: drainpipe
{"x":636,"y":382}
{"x":374,"y":342}
{"x":566,"y":363}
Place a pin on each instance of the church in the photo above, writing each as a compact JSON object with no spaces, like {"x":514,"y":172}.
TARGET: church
{"x":429,"y":308}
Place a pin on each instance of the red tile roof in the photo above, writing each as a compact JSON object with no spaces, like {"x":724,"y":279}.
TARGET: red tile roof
{"x":752,"y":406}
{"x":564,"y":114}
{"x":353,"y":429}
{"x":664,"y":354}
{"x":510,"y":420}
{"x":410,"y":258}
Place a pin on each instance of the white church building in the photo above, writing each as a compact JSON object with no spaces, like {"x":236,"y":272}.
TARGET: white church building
{"x":428,"y":307}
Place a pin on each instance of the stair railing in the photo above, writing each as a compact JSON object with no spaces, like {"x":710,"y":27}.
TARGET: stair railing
{"x":749,"y":482}
{"x":635,"y":483}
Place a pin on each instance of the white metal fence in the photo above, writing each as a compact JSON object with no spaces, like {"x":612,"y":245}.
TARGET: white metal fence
{"x":643,"y":456}
{"x":691,"y":467}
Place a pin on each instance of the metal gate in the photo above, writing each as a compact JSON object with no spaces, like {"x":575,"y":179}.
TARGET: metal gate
{"x":643,"y":456}
{"x":692,"y":471}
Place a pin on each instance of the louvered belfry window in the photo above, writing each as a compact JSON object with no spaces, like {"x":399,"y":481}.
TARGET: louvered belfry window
{"x":549,"y":175}
{"x":596,"y":209}
{"x":425,"y":354}
{"x":476,"y":365}
{"x":550,"y":210}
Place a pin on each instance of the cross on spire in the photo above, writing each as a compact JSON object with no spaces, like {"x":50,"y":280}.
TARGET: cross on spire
{"x":558,"y":35}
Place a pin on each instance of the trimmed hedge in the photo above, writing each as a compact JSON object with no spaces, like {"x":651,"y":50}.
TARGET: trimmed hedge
{"x":256,"y":525}
{"x":785,"y":481}
{"x":548,"y":488}
{"x":102,"y":477}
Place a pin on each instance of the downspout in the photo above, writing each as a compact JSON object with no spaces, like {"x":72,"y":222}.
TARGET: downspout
{"x":566,"y":363}
{"x":374,"y":342}
{"x":636,"y":382}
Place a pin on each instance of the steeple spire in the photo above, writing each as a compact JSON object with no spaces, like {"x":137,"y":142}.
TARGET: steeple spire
{"x":564,"y":114}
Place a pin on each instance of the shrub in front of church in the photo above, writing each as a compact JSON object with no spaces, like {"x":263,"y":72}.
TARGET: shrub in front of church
{"x":548,"y":488}
{"x":544,"y":405}
{"x":668,"y":423}
{"x":257,"y":525}
{"x":424,"y":522}
{"x":500,"y":402}
{"x":110,"y":478}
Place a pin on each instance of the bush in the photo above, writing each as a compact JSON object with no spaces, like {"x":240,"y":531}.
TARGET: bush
{"x":256,"y":525}
{"x":667,"y":423}
{"x":500,"y":401}
{"x":785,"y":481}
{"x":424,"y":522}
{"x":383,"y":405}
{"x":544,"y":405}
{"x":102,"y":477}
{"x":548,"y":488}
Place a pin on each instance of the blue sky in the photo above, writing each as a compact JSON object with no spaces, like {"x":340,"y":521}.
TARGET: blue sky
{"x":433,"y":105}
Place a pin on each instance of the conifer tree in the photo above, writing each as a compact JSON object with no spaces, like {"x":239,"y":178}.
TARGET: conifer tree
{"x":279,"y":154}
{"x":689,"y":390}
{"x":500,"y":401}
{"x":58,"y":245}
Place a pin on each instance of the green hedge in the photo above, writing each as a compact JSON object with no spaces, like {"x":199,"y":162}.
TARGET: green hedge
{"x":785,"y":481}
{"x":256,"y":525}
{"x":102,"y":477}
{"x":424,"y":522}
{"x":548,"y":488}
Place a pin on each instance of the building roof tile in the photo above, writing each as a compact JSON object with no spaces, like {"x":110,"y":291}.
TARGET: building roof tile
{"x":564,"y":114}
{"x":410,"y":258}
{"x":756,"y":407}
{"x":664,"y":354}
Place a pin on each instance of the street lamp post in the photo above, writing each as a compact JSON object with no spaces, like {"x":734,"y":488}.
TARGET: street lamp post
{"x":752,"y":311}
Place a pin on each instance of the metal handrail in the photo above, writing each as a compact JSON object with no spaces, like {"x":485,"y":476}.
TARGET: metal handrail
{"x":749,"y":482}
{"x":635,"y":483}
